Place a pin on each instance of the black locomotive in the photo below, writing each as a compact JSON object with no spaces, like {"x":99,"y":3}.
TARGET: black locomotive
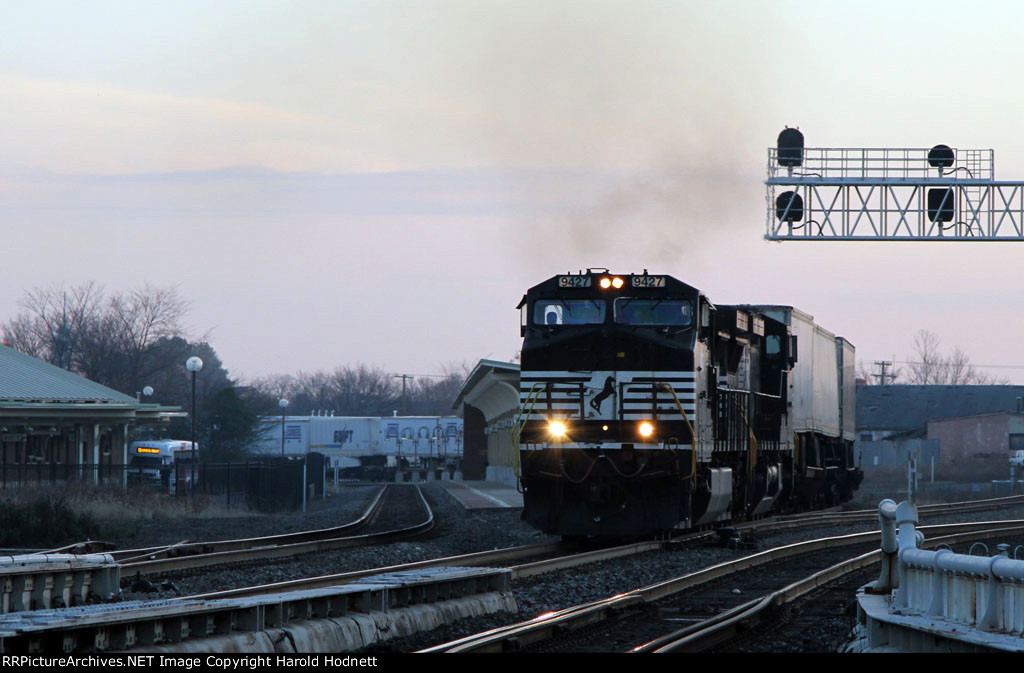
{"x":644,"y":407}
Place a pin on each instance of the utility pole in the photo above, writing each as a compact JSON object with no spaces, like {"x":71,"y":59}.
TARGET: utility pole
{"x":404,"y":377}
{"x":883,"y":377}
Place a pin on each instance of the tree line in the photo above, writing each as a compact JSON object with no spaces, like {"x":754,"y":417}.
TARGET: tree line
{"x":363,"y":390}
{"x":138,"y":338}
{"x":930,"y":365}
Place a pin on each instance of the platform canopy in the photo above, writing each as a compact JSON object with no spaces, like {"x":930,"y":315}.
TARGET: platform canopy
{"x":31,"y":389}
{"x":492,"y":387}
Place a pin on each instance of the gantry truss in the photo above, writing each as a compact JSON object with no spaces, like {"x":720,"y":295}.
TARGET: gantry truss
{"x":846,"y":194}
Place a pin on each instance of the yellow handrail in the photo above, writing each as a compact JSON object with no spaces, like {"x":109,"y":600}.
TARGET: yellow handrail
{"x":517,"y":429}
{"x":693,"y":435}
{"x":752,"y":447}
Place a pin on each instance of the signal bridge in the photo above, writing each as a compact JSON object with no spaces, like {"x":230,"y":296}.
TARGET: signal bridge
{"x":888,"y":194}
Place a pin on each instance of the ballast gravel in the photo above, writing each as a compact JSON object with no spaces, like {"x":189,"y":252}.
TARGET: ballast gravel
{"x":458,"y":531}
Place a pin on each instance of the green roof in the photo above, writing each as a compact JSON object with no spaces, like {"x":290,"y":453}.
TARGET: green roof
{"x":24,"y":378}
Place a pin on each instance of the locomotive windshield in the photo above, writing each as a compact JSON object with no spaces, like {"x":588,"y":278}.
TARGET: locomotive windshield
{"x":569,"y":312}
{"x":653,"y":311}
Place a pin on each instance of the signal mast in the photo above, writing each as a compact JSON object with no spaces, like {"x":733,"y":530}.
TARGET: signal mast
{"x":888,"y":194}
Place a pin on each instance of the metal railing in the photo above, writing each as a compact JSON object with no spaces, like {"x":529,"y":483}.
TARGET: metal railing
{"x":890,"y":194}
{"x":957,"y":590}
{"x":882,"y":163}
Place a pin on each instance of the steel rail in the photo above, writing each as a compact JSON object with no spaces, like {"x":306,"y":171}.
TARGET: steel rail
{"x":825,"y":517}
{"x":271,"y":551}
{"x":494,"y":556}
{"x":962,"y":506}
{"x":97,"y":546}
{"x":487,"y":557}
{"x":545,"y":626}
{"x":727,"y":625}
{"x":186,"y":547}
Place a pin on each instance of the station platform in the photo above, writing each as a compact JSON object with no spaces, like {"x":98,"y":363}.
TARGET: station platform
{"x":483,"y":495}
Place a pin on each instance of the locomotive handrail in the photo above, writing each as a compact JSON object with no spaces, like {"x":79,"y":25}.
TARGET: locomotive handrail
{"x":693,"y":435}
{"x":517,"y":429}
{"x":752,"y":446}
{"x":752,"y":439}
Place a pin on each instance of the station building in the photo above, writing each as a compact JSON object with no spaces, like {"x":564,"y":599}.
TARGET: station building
{"x":488,"y":403}
{"x":56,"y":425}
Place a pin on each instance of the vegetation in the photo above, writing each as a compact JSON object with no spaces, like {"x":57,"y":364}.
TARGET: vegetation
{"x":49,"y":522}
{"x":362,"y":390}
{"x":931,"y":366}
{"x":130,"y":340}
{"x":928,"y":365}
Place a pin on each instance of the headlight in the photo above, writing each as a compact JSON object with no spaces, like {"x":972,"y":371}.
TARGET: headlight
{"x":646,"y":429}
{"x":557,"y":429}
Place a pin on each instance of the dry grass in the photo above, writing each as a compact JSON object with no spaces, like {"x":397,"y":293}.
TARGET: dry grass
{"x":109,"y":503}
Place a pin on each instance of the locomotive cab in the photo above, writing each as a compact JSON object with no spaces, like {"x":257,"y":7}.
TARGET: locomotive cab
{"x":644,"y":407}
{"x":608,"y":399}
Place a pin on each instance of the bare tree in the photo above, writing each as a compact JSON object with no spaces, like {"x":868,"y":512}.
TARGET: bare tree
{"x":433,"y":396}
{"x":54,"y":322}
{"x":862,"y":372}
{"x":108,"y":340}
{"x":119,"y":344}
{"x":361,"y":390}
{"x":931,"y":367}
{"x":269,"y":389}
{"x":365,"y":390}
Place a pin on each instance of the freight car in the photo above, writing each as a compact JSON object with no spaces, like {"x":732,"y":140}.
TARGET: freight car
{"x":644,"y":408}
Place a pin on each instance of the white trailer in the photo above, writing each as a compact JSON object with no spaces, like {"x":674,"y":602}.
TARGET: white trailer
{"x":347,"y":439}
{"x":822,"y":383}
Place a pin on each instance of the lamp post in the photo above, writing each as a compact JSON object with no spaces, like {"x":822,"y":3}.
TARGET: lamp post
{"x":283,"y":403}
{"x":193,"y":364}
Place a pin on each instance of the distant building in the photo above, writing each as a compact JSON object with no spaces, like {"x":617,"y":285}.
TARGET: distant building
{"x":979,"y":447}
{"x":964,"y":431}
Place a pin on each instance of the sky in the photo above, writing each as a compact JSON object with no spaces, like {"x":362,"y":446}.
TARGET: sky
{"x":341,"y":182}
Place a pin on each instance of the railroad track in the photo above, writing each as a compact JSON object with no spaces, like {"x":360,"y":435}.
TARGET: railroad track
{"x":561,"y":556}
{"x":567,"y":621}
{"x":185,"y":556}
{"x":836,"y":516}
{"x":562,"y":559}
{"x":713,"y":610}
{"x":187,"y":547}
{"x":747,"y":624}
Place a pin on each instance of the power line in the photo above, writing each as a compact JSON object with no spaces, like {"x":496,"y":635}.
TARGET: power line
{"x":968,"y":364}
{"x":883,"y":365}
